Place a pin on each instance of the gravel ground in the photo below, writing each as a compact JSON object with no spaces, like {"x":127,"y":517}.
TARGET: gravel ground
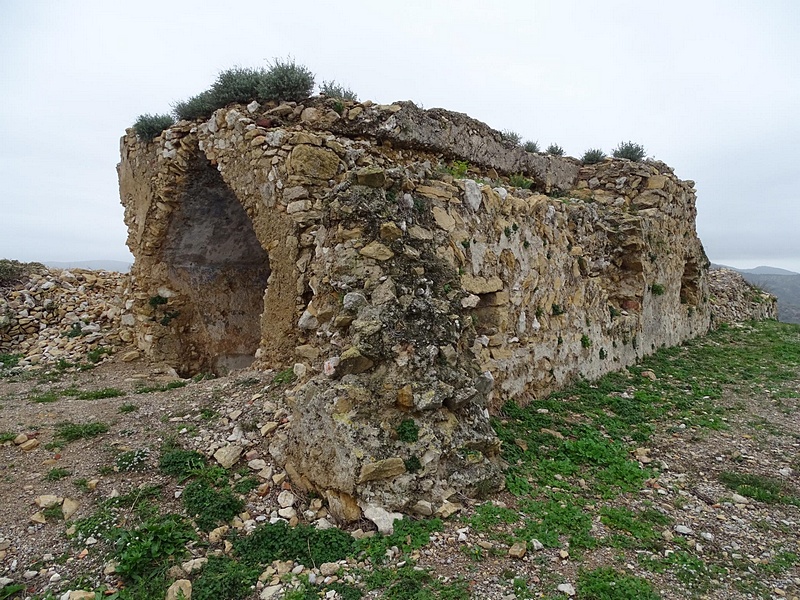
{"x":744,"y":548}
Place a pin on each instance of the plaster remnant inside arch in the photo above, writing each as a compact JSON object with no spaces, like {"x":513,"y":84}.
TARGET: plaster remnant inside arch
{"x":219,"y":270}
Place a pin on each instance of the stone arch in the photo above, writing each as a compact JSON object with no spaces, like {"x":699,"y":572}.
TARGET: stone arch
{"x":217,"y":271}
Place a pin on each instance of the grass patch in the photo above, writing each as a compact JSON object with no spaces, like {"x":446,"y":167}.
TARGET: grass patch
{"x":45,"y":398}
{"x":97,"y":394}
{"x":223,"y":577}
{"x":759,"y":487}
{"x":128,"y":408}
{"x":410,"y":583}
{"x":172,"y":385}
{"x":284,"y":377}
{"x":181,"y":463}
{"x":57,"y":473}
{"x":606,"y":583}
{"x":302,"y":543}
{"x":70,"y":432}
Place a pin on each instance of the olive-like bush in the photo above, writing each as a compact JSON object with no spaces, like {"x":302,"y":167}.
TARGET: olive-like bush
{"x":531,"y":146}
{"x":148,"y":127}
{"x":331,"y":89}
{"x":593,"y":156}
{"x":555,"y":150}
{"x":286,"y":80}
{"x":237,"y":85}
{"x":196,"y":107}
{"x":630,"y":150}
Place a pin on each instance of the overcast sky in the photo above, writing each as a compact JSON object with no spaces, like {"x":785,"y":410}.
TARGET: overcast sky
{"x":711,"y":88}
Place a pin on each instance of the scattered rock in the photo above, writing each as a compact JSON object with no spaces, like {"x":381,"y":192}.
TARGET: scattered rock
{"x":228,"y":455}
{"x":518,"y":550}
{"x":180,"y":590}
{"x":382,"y":518}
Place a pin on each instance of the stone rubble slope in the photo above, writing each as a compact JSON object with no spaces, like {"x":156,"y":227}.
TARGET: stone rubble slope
{"x":62,"y":315}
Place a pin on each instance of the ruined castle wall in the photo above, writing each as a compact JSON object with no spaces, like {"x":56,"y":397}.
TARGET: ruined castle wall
{"x":398,"y":292}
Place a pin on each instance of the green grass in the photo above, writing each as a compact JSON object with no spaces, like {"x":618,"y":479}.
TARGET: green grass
{"x":57,"y":473}
{"x":284,"y":377}
{"x":760,"y":487}
{"x":606,"y":583}
{"x":181,"y":463}
{"x":99,"y":394}
{"x":172,"y":385}
{"x":128,"y":408}
{"x":45,"y":398}
{"x":409,"y":583}
{"x":303,"y":543}
{"x":70,"y":432}
{"x":572,"y":454}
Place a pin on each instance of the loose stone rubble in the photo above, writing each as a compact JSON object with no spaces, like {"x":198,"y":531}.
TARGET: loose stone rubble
{"x":65,"y":314}
{"x":734,"y":300}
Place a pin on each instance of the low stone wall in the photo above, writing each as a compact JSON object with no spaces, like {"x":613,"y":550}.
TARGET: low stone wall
{"x":64,"y":315}
{"x":409,"y":303}
{"x":734,"y":300}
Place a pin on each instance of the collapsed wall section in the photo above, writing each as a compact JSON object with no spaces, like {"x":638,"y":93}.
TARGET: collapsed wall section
{"x":410,"y":302}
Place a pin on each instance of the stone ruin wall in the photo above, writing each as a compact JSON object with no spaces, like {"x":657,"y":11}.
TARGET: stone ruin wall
{"x":296,"y":236}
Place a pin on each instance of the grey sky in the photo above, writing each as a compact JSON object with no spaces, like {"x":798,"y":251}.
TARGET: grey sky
{"x":711,"y":88}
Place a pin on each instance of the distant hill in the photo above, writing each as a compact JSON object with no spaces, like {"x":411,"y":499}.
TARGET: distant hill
{"x":783,"y":284}
{"x":94,"y":265}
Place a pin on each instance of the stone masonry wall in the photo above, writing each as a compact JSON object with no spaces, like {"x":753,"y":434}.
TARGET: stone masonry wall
{"x":409,"y":303}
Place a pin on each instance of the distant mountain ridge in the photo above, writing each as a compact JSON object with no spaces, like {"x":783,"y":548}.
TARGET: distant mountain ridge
{"x":93,"y":265}
{"x":762,"y":270}
{"x":783,"y":284}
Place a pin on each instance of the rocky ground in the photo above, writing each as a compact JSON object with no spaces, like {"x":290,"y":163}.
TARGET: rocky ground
{"x":667,"y":518}
{"x":676,"y":478}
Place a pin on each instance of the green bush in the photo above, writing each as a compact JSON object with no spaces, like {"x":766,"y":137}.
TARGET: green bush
{"x":210,"y":506}
{"x":141,"y":550}
{"x":630,"y":151}
{"x":331,"y":89}
{"x":223,"y":577}
{"x":196,"y":107}
{"x":302,"y":543}
{"x":555,"y":150}
{"x":286,"y":81}
{"x":531,"y":146}
{"x":593,"y":156}
{"x":512,"y":137}
{"x":237,"y":85}
{"x":148,"y":127}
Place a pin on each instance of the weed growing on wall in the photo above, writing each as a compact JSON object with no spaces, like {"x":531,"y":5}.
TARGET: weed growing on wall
{"x":332,"y":89}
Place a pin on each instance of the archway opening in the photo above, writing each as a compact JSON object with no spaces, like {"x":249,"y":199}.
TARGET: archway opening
{"x":219,"y":271}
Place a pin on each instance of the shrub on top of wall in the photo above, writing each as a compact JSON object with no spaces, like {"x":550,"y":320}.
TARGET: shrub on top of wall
{"x":149,"y":126}
{"x":238,"y":84}
{"x":512,"y":137}
{"x":555,"y":150}
{"x":630,"y":150}
{"x":331,"y":89}
{"x":196,"y":107}
{"x":593,"y":156}
{"x":286,"y":81}
{"x":531,"y":146}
